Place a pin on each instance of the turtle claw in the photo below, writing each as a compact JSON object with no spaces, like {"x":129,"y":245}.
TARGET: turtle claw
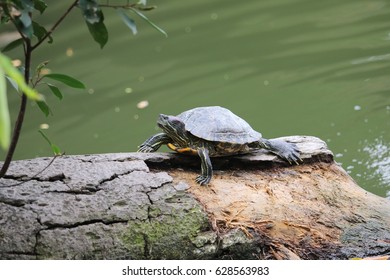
{"x":154,"y":143}
{"x":287,"y":151}
{"x":202,"y":180}
{"x":292,"y":155}
{"x":144,"y":148}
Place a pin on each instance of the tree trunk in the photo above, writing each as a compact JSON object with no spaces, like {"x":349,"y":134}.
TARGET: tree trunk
{"x":148,"y":206}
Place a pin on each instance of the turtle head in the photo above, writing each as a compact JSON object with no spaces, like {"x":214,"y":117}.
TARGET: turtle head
{"x":174,"y":128}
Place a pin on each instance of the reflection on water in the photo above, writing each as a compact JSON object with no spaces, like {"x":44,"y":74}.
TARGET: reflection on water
{"x":378,"y":163}
{"x":298,"y":67}
{"x":371,"y":59}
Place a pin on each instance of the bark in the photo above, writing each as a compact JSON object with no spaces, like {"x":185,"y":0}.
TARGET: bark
{"x":148,"y":206}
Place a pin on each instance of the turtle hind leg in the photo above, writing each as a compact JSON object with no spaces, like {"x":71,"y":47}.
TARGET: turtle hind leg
{"x":207,"y":169}
{"x":285,"y":150}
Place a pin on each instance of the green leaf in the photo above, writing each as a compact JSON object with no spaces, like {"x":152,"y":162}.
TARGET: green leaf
{"x":13,"y":45}
{"x":65,"y":79}
{"x":45,"y":137}
{"x":40,"y":5}
{"x":24,"y":23}
{"x":55,"y":90}
{"x":99,"y":33}
{"x":94,"y":18}
{"x":17,"y":4}
{"x":146,"y":8}
{"x":25,"y":19}
{"x":40,"y":66}
{"x":5,"y":124}
{"x":27,"y":5}
{"x":22,"y":19}
{"x":56,"y":150}
{"x":15,"y":75}
{"x":40,"y":31}
{"x":141,"y":15}
{"x":44,"y":108}
{"x":4,"y":19}
{"x":128,"y":21}
{"x":13,"y":83}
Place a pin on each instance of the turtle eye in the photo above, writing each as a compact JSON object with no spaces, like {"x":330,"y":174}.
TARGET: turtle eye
{"x":176,"y":123}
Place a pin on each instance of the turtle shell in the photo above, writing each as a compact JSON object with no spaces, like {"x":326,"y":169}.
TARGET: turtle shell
{"x":219,"y":125}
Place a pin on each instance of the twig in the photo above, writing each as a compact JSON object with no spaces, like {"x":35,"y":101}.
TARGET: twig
{"x":128,"y":6}
{"x":55,"y":25}
{"x":35,"y":175}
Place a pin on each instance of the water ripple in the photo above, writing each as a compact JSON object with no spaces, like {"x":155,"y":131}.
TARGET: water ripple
{"x":379,"y":160}
{"x":371,"y":59}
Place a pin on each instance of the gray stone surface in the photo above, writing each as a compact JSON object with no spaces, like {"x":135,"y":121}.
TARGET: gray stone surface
{"x":127,"y":206}
{"x":85,"y":207}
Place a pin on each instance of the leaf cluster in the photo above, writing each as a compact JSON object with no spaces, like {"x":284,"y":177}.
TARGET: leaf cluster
{"x":94,"y":18}
{"x":20,"y":13}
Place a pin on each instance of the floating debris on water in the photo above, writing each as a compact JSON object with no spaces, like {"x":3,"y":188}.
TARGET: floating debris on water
{"x":44,"y":126}
{"x":143,"y":104}
{"x":69,"y":52}
{"x":214,"y":16}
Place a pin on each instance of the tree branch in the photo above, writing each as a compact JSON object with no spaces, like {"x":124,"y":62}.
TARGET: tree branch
{"x":128,"y":6}
{"x":55,"y":25}
{"x":22,"y":111}
{"x":35,"y":175}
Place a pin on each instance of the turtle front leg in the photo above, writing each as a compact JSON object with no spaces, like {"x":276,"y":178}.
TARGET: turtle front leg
{"x":154,"y":143}
{"x":283,"y":149}
{"x":206,"y":167}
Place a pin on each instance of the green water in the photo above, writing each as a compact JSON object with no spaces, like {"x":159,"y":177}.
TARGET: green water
{"x":289,"y":67}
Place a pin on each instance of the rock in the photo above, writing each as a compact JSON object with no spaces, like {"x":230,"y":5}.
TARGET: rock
{"x":147,"y":206}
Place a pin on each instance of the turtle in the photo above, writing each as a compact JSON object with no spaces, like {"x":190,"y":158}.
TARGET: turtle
{"x":214,"y":131}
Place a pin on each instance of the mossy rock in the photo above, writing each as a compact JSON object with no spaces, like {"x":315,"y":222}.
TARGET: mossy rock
{"x":166,"y":236}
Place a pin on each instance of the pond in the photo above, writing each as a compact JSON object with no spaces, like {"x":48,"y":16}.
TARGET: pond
{"x":299,"y":67}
